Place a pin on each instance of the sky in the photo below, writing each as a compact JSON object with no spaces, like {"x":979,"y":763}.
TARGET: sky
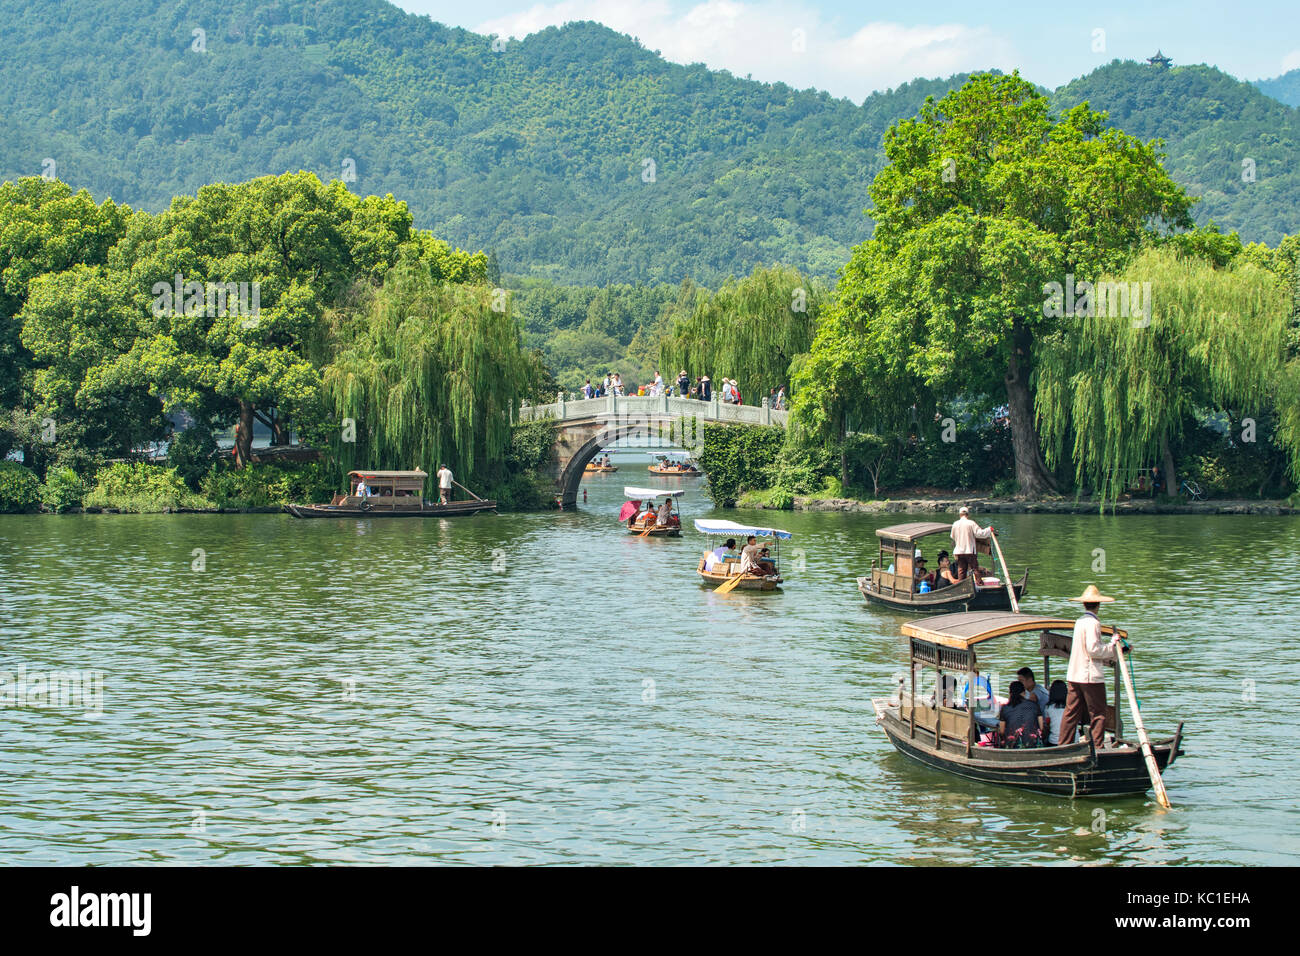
{"x":853,"y":49}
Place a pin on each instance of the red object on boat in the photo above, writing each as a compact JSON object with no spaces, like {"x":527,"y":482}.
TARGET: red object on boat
{"x":628,"y":510}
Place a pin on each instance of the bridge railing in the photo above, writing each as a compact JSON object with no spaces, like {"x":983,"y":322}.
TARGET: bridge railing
{"x":656,"y":406}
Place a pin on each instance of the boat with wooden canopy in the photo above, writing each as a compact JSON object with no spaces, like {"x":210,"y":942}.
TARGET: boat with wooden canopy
{"x":893,"y":583}
{"x":937,"y":727}
{"x":390,"y":494}
{"x":676,"y":467}
{"x":725,"y":574}
{"x":645,"y":522}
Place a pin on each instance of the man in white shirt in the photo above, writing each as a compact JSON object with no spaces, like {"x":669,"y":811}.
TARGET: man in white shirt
{"x":1086,"y":699}
{"x":964,"y":533}
{"x":444,"y":484}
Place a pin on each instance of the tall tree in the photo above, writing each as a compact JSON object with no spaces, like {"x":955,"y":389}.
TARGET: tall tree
{"x":429,"y":373}
{"x":749,"y":330}
{"x":984,"y":201}
{"x":1114,"y":391}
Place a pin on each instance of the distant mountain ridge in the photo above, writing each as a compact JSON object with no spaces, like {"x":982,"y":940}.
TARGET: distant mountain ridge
{"x":1284,"y":88}
{"x":575,"y":154}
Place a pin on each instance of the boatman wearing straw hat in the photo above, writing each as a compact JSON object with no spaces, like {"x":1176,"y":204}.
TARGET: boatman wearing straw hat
{"x":964,"y":533}
{"x":1085,"y":702}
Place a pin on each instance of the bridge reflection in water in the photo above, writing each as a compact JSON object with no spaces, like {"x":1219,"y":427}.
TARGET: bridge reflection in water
{"x":586,"y":426}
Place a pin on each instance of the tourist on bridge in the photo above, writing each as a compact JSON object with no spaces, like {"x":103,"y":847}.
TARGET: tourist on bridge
{"x":1085,"y":700}
{"x":683,"y":383}
{"x":706,"y":389}
{"x":964,"y":533}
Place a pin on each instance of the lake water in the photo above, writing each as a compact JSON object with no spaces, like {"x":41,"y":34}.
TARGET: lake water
{"x":548,"y":689}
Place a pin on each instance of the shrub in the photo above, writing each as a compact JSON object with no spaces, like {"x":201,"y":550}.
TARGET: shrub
{"x":190,"y":453}
{"x":63,"y":490}
{"x":20,"y":489}
{"x":739,"y":458}
{"x":142,"y":488}
{"x":266,"y":485}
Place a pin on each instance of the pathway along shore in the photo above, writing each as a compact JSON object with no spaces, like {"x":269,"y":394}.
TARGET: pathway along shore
{"x":1063,"y":506}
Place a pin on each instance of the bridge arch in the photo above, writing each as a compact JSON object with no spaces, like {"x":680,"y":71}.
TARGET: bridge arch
{"x":586,"y":426}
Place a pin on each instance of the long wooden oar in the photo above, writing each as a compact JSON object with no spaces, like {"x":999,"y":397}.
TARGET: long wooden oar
{"x":650,"y":527}
{"x":1147,"y":753}
{"x":1006,"y":575}
{"x":729,"y":586}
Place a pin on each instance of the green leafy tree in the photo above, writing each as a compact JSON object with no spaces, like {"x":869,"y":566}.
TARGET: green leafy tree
{"x":1114,"y":392}
{"x":985,"y":200}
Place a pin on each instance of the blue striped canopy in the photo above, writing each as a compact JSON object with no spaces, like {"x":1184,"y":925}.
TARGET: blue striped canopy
{"x":715,"y":526}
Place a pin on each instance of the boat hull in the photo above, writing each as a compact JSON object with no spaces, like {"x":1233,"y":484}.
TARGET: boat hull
{"x":455,"y":509}
{"x":964,"y":596}
{"x":672,"y":473}
{"x":1072,"y":771}
{"x":747,"y":583}
{"x":670,"y":531}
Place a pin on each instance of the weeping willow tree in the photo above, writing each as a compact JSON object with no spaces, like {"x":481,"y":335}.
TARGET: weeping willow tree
{"x":429,"y":374}
{"x":1116,"y":389}
{"x":749,"y":330}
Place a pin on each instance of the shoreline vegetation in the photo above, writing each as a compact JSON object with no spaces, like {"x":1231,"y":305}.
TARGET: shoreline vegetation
{"x":1068,"y":506}
{"x":991,"y":334}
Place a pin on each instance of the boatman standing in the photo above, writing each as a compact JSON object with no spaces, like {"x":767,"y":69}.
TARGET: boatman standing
{"x":1085,"y":702}
{"x":964,"y":533}
{"x":444,"y":484}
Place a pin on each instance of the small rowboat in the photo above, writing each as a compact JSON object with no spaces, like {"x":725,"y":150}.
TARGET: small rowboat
{"x":685,"y":468}
{"x":892,"y":582}
{"x":645,"y":524}
{"x":600,"y":466}
{"x":934,"y":725}
{"x":728,"y":570}
{"x":391,"y":494}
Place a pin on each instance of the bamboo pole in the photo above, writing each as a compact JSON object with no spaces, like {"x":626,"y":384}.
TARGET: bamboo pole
{"x":1006,"y":574}
{"x":1154,"y":771}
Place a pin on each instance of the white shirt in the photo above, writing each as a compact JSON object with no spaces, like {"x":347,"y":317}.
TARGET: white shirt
{"x":749,"y":558}
{"x":1087,"y":652}
{"x":964,"y":533}
{"x":444,"y":478}
{"x":714,"y":557}
{"x":1055,"y":716}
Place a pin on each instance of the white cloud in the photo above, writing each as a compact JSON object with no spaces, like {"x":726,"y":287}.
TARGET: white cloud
{"x":765,"y":40}
{"x":1291,"y":61}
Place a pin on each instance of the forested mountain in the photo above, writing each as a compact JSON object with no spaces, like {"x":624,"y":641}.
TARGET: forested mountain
{"x":574,"y":155}
{"x":1227,"y":142}
{"x":540,"y":152}
{"x":1285,"y":88}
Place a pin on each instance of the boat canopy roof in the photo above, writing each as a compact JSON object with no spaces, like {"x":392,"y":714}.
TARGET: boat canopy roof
{"x":717,"y":526}
{"x":968,"y":628}
{"x":390,"y":474}
{"x":638,"y":493}
{"x":913,"y":530}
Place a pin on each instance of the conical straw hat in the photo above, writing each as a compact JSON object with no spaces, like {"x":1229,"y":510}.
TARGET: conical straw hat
{"x":1092,"y":596}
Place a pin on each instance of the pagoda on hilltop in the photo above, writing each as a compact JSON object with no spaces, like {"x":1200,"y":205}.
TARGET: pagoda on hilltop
{"x":1160,"y":61}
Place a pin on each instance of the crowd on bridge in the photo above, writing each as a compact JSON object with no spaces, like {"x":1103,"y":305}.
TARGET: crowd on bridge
{"x":699,"y":388}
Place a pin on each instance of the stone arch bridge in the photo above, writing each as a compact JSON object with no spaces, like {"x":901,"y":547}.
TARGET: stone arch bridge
{"x":586,"y":426}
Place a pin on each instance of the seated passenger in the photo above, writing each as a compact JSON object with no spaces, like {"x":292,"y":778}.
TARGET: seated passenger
{"x":984,"y":702}
{"x":749,"y":558}
{"x":944,"y":576}
{"x":719,"y":555}
{"x":1054,"y":712}
{"x":665,"y":512}
{"x":919,"y":574}
{"x":1020,"y":721}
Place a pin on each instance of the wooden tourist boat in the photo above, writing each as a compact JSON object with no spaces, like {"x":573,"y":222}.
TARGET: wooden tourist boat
{"x":644,"y":524}
{"x":600,"y":466}
{"x":727,"y":574}
{"x":942,"y":733}
{"x":680,"y":468}
{"x":891,"y":582}
{"x":393,"y":494}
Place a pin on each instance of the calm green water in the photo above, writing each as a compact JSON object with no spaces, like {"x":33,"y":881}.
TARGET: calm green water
{"x":478,"y":690}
